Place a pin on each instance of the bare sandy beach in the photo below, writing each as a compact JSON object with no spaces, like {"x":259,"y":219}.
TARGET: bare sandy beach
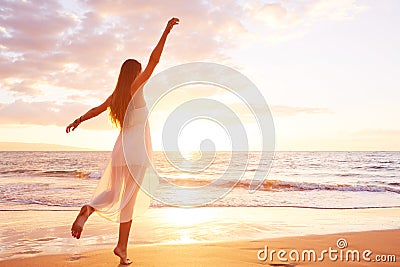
{"x":383,"y":244}
{"x":207,"y":237}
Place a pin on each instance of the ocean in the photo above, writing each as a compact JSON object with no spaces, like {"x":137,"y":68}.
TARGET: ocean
{"x":321,"y":180}
{"x":304,"y":193}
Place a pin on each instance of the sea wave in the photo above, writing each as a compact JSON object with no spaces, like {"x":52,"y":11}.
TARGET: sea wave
{"x":279,"y":185}
{"x":72,"y":173}
{"x":45,"y":203}
{"x":53,"y":173}
{"x":45,"y":195}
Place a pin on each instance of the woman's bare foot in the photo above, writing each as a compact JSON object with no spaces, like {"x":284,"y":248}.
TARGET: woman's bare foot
{"x":80,"y":220}
{"x":122,"y":255}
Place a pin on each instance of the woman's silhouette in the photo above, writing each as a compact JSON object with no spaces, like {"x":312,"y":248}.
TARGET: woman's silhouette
{"x":117,"y":195}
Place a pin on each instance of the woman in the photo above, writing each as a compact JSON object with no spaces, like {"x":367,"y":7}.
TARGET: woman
{"x":118,"y":196}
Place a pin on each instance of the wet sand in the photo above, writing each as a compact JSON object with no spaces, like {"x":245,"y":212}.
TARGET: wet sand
{"x":199,"y":237}
{"x":240,"y":253}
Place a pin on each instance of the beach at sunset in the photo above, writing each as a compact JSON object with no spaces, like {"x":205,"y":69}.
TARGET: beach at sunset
{"x":199,"y":133}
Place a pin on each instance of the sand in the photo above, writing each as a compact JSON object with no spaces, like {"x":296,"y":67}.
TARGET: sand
{"x":235,"y":253}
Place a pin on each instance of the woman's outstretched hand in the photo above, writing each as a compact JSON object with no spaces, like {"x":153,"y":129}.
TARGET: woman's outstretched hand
{"x":72,"y":126}
{"x":171,"y":23}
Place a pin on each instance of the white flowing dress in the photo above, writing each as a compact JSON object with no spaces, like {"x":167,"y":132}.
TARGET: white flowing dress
{"x":118,"y":196}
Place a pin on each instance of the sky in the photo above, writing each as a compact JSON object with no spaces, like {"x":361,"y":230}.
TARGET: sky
{"x":327,"y":69}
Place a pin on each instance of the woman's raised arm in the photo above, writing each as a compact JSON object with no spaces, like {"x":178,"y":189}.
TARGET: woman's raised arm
{"x":90,"y":114}
{"x":154,"y":58}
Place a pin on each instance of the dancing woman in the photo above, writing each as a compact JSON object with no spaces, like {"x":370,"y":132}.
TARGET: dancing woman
{"x":118,"y":196}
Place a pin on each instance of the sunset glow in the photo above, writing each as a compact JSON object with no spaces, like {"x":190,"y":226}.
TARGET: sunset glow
{"x":326,"y":68}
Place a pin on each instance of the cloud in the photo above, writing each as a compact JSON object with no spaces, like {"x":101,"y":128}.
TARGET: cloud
{"x":335,"y":10}
{"x":24,"y":19}
{"x":49,"y":113}
{"x":19,"y":87}
{"x":283,"y":20}
{"x":273,"y":14}
{"x":206,"y":28}
{"x":41,"y":40}
{"x":279,"y":110}
{"x":81,"y":47}
{"x":77,"y":49}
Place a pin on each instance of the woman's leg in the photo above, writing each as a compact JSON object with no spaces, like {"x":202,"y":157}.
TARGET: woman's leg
{"x":80,"y":220}
{"x":120,"y":250}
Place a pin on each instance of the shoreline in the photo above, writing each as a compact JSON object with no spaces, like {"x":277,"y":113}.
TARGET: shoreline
{"x":232,"y":253}
{"x":77,"y":209}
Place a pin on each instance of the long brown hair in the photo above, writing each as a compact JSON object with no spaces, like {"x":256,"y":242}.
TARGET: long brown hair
{"x":121,"y":96}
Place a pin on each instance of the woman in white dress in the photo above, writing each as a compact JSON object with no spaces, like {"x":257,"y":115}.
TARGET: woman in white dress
{"x":118,"y":196}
